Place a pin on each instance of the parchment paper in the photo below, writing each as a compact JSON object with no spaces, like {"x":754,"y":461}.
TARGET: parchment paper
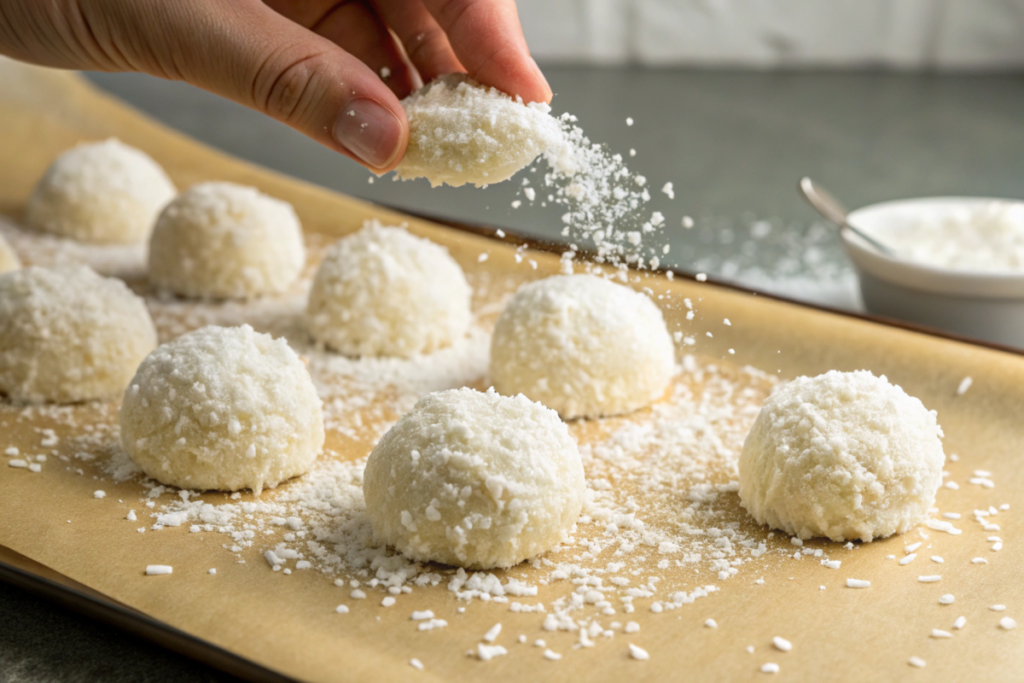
{"x":288,"y":623}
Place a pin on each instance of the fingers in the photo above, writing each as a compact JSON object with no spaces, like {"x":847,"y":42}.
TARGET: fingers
{"x":424,"y":41}
{"x":247,"y":52}
{"x":357,"y":29}
{"x":487,"y":38}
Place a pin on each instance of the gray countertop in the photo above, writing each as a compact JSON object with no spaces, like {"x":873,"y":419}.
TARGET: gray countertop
{"x":734,"y":145}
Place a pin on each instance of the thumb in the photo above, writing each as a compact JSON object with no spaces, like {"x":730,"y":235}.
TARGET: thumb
{"x":248,"y":53}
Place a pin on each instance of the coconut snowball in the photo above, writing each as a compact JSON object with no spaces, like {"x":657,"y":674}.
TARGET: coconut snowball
{"x":475,"y":480}
{"x":8,"y":259}
{"x":845,"y":455}
{"x":463,"y":132}
{"x":67,"y":335}
{"x":104,"y":192}
{"x":583,"y":346}
{"x":384,"y":292}
{"x":222,"y":408}
{"x":221,"y":240}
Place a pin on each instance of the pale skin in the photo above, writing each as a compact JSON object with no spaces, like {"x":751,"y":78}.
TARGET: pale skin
{"x":313,"y":64}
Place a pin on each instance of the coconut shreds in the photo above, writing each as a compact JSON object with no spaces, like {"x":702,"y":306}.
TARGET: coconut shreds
{"x":661,"y":526}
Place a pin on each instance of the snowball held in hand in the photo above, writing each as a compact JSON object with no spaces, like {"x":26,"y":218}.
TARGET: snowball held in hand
{"x":384,"y":292}
{"x":69,"y":335}
{"x":844,"y":455}
{"x":103,"y":192}
{"x":583,"y":346}
{"x":226,"y":241}
{"x":475,"y":480}
{"x":223,"y":408}
{"x":463,"y":132}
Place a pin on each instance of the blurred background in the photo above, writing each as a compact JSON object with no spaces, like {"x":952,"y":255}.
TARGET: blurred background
{"x":734,"y":101}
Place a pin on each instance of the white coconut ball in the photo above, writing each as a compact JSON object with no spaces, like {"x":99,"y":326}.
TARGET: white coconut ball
{"x":226,"y":241}
{"x":583,"y":346}
{"x":476,"y":480}
{"x":68,"y":335}
{"x":104,"y":192}
{"x":222,"y":408}
{"x":384,"y":292}
{"x":845,"y":455}
{"x":463,"y":132}
{"x":8,"y":259}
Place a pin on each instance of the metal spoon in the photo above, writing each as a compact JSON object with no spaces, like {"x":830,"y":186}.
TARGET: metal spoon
{"x":829,"y":208}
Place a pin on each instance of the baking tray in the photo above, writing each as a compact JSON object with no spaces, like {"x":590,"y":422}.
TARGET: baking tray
{"x":253,"y":624}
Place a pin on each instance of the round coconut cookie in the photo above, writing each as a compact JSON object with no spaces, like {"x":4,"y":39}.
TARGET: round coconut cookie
{"x":475,"y":480}
{"x":844,"y":455}
{"x":103,"y":192}
{"x":223,"y":408}
{"x":226,"y":241}
{"x":463,"y":132}
{"x":583,"y":346}
{"x":68,"y":335}
{"x":8,"y":259}
{"x":384,"y":292}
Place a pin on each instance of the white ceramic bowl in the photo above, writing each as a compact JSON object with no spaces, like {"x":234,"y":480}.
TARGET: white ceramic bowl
{"x":976,"y":304}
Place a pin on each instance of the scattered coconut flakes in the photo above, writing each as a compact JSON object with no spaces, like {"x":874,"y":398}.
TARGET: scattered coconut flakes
{"x":341,"y":609}
{"x":979,"y":560}
{"x":551,"y":655}
{"x":492,"y":634}
{"x":710,"y":623}
{"x":941,"y":525}
{"x":857,"y":583}
{"x":947,"y":599}
{"x":639,"y":653}
{"x":912,"y":547}
{"x":937,"y":559}
{"x":416,"y":664}
{"x":782,"y":644}
{"x":960,"y":623}
{"x":965,"y":384}
{"x":916,"y":661}
{"x":488,"y":652}
{"x":908,"y":559}
{"x":158,"y":569}
{"x":431,"y":624}
{"x":1007,"y":623}
{"x":939,"y":633}
{"x":997,"y":608}
{"x":931,"y":578}
{"x":770,"y":668}
{"x":99,"y":494}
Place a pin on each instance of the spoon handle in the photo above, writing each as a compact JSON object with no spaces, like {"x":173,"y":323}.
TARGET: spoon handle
{"x":830,"y":209}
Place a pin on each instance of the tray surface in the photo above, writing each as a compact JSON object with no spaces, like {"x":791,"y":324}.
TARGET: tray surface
{"x":674,"y":462}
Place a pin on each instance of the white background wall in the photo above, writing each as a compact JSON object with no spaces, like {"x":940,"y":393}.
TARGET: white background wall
{"x":910,"y":34}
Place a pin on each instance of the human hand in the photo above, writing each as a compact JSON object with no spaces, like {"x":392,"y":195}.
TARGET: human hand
{"x":316,"y":65}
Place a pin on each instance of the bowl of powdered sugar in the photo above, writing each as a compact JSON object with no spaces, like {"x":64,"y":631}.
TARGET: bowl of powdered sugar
{"x":958,"y":264}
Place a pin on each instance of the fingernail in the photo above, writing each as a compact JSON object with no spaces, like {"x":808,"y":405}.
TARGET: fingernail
{"x":369,"y":131}
{"x":541,"y":74}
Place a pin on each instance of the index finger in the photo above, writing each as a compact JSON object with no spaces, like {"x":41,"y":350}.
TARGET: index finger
{"x":488,"y":40}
